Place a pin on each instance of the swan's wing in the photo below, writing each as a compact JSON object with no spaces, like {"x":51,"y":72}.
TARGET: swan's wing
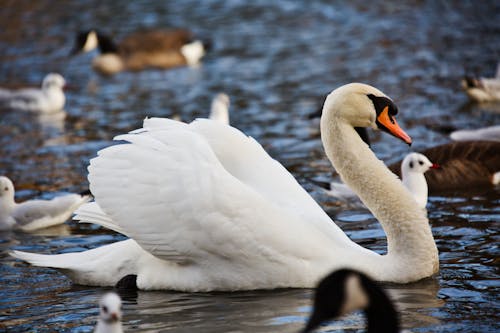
{"x":168,"y":190}
{"x":36,"y":214}
{"x":92,"y":213}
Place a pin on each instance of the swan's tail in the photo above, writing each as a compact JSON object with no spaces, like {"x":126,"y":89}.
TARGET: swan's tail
{"x":92,"y":213}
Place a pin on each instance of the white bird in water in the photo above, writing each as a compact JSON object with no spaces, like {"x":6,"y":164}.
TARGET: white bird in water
{"x":35,"y":214}
{"x":110,"y":314}
{"x":206,"y":208}
{"x":490,"y":133}
{"x":483,"y":89}
{"x":413,"y":168}
{"x":49,"y":99}
{"x":219,"y":110}
{"x":345,"y":291}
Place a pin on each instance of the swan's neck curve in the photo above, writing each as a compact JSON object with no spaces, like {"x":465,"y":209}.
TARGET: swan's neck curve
{"x":411,"y":250}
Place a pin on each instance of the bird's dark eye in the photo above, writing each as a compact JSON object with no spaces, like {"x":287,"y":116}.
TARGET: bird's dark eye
{"x":411,"y":164}
{"x":420,"y":162}
{"x":105,"y":309}
{"x":6,"y":189}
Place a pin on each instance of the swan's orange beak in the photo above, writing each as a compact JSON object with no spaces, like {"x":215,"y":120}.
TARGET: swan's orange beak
{"x":390,"y":125}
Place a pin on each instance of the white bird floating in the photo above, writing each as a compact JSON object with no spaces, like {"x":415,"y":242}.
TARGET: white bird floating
{"x":490,"y":133}
{"x":345,"y":291}
{"x":483,"y":89}
{"x":413,"y":168}
{"x":49,"y":99}
{"x":206,"y":208}
{"x":110,"y":314}
{"x":219,"y":110}
{"x":34,"y":214}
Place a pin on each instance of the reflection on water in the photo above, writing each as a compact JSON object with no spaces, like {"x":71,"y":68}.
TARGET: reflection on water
{"x":276,"y":61}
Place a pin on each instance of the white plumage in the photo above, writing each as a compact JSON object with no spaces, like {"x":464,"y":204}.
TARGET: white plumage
{"x":220,"y":108}
{"x":206,"y":208}
{"x":110,"y":314}
{"x":483,"y":89}
{"x":491,"y":133}
{"x":34,"y":214}
{"x":49,"y":99}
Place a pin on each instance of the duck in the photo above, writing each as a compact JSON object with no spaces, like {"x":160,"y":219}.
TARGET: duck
{"x":47,"y":100}
{"x":346,"y":290}
{"x":463,"y":164}
{"x":207,"y":209}
{"x":219,"y":110}
{"x":413,"y":167}
{"x":483,"y":89}
{"x":489,"y":133}
{"x":35,"y":214}
{"x":110,"y":314}
{"x":141,"y":50}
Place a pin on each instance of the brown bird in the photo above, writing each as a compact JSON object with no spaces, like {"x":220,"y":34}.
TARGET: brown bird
{"x":463,"y":164}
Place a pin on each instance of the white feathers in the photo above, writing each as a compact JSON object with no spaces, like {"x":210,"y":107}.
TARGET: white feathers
{"x":49,"y":99}
{"x":34,"y":214}
{"x":110,"y":314}
{"x":491,"y":133}
{"x":219,"y":110}
{"x":193,"y":52}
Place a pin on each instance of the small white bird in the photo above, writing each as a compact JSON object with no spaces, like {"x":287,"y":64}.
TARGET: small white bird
{"x":413,"y":168}
{"x":483,"y":89}
{"x":34,"y":214}
{"x":110,"y":314}
{"x":345,"y":291}
{"x":491,"y":133}
{"x":49,"y":99}
{"x":220,"y":108}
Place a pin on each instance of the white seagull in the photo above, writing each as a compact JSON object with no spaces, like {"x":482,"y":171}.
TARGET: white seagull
{"x":483,"y":89}
{"x":206,"y":208}
{"x":110,"y":314}
{"x":49,"y":99}
{"x":219,"y":110}
{"x":35,"y":214}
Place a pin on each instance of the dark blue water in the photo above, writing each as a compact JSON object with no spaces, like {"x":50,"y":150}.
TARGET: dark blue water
{"x":276,"y":61}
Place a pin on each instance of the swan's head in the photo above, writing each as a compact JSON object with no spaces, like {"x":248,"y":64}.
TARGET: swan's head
{"x":110,"y":308}
{"x":346,"y":290}
{"x":418,"y":163}
{"x":6,"y":188}
{"x":53,"y":80}
{"x":361,"y":105}
{"x":85,"y":41}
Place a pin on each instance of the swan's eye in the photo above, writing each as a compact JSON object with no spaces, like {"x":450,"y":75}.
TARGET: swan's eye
{"x":411,"y":165}
{"x":104,"y":309}
{"x":420,"y":162}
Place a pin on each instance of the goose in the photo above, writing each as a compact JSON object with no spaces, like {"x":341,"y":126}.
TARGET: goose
{"x":483,"y":89}
{"x":110,"y":314}
{"x":413,"y":167}
{"x":219,"y":110}
{"x":141,"y":50}
{"x":490,"y":133}
{"x":35,"y":214}
{"x":49,"y":99}
{"x":464,"y":164}
{"x":344,"y":291}
{"x":206,"y":208}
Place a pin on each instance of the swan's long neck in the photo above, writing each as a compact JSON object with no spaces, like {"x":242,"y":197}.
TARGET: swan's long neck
{"x":412,"y":252}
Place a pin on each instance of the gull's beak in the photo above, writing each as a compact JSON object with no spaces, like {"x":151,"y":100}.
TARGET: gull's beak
{"x":114,"y":317}
{"x":390,"y":125}
{"x":435,"y":166}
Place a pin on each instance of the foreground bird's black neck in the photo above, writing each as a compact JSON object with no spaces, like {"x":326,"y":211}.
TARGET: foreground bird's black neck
{"x":381,"y":315}
{"x":106,"y":44}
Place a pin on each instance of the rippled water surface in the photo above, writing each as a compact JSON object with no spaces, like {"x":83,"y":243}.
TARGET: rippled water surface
{"x":276,"y":60}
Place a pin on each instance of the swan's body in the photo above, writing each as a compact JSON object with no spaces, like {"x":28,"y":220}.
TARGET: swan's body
{"x":141,"y":50}
{"x":219,"y":110}
{"x":34,"y":214}
{"x":205,"y":208}
{"x":110,"y":314}
{"x":491,"y":133}
{"x":412,"y":177}
{"x":464,"y":164}
{"x":49,"y":99}
{"x":483,"y":89}
{"x":345,"y":291}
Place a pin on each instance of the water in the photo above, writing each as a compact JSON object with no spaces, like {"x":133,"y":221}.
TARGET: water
{"x":276,"y":61}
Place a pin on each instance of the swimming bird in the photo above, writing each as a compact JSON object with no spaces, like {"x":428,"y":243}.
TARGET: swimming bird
{"x":413,"y":167}
{"x":141,"y":50}
{"x":483,"y":89}
{"x":464,"y":164}
{"x":34,"y":214}
{"x":206,"y":208}
{"x":219,"y":110}
{"x":110,"y":314}
{"x":490,"y":133}
{"x":345,"y":291}
{"x":49,"y":99}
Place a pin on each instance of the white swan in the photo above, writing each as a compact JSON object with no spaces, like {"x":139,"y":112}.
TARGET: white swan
{"x":35,"y":214}
{"x":207,"y":209}
{"x":49,"y":99}
{"x":219,"y":109}
{"x":413,"y":167}
{"x":110,"y":314}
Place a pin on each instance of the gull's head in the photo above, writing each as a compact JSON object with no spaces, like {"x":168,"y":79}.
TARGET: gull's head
{"x":110,"y":308}
{"x":416,"y":162}
{"x":53,"y":80}
{"x":361,"y":105}
{"x":6,"y":187}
